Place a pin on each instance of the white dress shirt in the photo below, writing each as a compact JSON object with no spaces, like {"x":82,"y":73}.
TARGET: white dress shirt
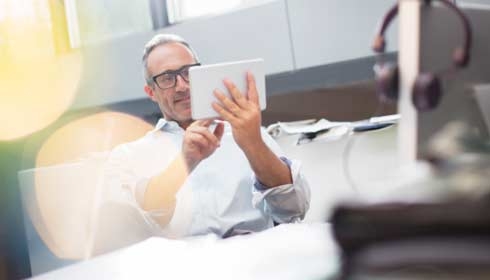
{"x":221,"y":195}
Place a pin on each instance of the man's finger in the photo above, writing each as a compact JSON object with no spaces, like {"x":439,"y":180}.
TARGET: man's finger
{"x":199,"y":140}
{"x":219,"y":130}
{"x":252,"y":88}
{"x":225,"y":114}
{"x":228,"y":104}
{"x":235,"y":93}
{"x":204,"y":123}
{"x":203,"y":131}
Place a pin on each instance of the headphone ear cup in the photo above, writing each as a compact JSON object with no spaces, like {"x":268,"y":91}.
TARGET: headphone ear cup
{"x":387,"y":81}
{"x":426,"y":92}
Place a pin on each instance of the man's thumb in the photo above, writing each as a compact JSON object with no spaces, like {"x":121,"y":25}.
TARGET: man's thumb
{"x":219,"y":130}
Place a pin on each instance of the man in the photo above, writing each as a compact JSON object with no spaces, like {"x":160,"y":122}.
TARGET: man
{"x":190,"y":177}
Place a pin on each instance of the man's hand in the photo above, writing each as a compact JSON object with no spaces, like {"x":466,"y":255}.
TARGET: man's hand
{"x":199,"y":143}
{"x":243,"y":113}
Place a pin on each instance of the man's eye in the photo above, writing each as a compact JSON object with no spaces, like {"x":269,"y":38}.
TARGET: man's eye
{"x":166,"y":78}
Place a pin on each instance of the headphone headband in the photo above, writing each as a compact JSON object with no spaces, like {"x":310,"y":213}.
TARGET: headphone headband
{"x":461,"y":55}
{"x":379,"y":43}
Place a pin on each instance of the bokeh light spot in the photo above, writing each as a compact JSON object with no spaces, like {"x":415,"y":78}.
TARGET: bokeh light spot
{"x":38,"y":79}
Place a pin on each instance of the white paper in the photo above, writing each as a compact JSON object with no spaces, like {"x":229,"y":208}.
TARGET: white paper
{"x":305,"y":126}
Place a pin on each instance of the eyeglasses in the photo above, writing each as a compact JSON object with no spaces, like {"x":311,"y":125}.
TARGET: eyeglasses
{"x":168,"y":79}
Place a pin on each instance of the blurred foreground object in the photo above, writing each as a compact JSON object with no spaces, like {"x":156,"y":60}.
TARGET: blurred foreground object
{"x":445,"y":237}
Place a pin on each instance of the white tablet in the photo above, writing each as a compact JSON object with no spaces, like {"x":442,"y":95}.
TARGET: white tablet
{"x":205,"y":79}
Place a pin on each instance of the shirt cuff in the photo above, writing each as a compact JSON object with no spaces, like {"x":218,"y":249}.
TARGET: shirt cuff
{"x":261,"y":187}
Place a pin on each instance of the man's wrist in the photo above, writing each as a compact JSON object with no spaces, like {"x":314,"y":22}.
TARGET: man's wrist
{"x":189,"y":163}
{"x":255,"y":148}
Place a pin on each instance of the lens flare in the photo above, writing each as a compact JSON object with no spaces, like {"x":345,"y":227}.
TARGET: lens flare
{"x":38,"y":80}
{"x":90,"y":135}
{"x":61,"y":194}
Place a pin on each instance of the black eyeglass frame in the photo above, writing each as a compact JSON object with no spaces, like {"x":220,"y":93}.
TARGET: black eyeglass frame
{"x":175,"y":73}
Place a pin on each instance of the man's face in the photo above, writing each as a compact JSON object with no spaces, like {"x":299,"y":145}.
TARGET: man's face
{"x":174,"y":102}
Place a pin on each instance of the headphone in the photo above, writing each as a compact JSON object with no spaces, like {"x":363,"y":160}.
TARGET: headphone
{"x":426,"y":91}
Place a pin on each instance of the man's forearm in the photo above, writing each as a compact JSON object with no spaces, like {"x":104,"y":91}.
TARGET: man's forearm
{"x":162,"y":188}
{"x":269,"y":169}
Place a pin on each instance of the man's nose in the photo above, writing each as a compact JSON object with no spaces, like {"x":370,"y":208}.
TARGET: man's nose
{"x":181,"y":83}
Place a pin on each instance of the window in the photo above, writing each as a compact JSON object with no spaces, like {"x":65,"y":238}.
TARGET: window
{"x":92,"y":21}
{"x":180,"y":10}
{"x":24,"y":24}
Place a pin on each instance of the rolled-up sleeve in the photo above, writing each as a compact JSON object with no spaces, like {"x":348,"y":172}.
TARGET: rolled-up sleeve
{"x":286,"y":203}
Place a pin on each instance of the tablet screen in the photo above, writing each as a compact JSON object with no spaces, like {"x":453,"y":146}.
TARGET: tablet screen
{"x":205,"y":79}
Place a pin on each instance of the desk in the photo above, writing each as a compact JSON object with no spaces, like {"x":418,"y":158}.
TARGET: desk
{"x":373,"y":165}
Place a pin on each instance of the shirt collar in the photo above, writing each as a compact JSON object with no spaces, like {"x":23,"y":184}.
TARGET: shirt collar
{"x":165,"y":125}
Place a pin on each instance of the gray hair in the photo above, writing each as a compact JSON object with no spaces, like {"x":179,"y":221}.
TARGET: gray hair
{"x":158,"y":40}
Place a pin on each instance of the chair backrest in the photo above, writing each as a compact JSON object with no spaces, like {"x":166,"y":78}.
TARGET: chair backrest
{"x":59,"y":201}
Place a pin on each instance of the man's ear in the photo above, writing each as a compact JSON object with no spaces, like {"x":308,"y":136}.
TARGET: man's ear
{"x":150,"y":92}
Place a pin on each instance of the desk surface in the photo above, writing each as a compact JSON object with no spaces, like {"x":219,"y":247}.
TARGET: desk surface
{"x":291,"y":251}
{"x":371,"y":160}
